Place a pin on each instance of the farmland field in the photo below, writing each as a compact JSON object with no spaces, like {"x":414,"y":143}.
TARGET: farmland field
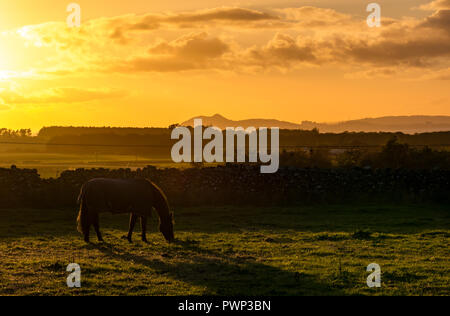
{"x":305,"y":250}
{"x":52,"y":164}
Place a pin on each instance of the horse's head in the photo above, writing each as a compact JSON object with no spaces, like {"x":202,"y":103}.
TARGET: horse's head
{"x":166,"y":227}
{"x":165,"y":216}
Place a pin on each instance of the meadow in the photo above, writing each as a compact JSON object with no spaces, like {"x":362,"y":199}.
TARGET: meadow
{"x":296,"y":250}
{"x":50,"y":165}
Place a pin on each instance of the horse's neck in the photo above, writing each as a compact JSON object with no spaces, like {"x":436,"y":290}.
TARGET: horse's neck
{"x":159,"y":211}
{"x":158,"y":204}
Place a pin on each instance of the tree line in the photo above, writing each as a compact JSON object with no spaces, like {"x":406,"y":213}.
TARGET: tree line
{"x":9,"y":133}
{"x":156,"y":142}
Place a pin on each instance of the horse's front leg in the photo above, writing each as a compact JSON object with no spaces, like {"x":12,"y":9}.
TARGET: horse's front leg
{"x":144,"y":228}
{"x":133,"y":218}
{"x":96,"y":222}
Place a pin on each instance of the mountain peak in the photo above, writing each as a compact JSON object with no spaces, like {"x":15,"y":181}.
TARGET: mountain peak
{"x":222,"y":122}
{"x":218,"y":116}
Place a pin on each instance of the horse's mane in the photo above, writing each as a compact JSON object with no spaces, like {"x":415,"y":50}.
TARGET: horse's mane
{"x":160,"y":196}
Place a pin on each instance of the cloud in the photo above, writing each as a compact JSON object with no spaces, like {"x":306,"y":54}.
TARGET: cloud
{"x":405,"y":43}
{"x":199,"y":19}
{"x":282,"y":51}
{"x":439,"y":20}
{"x":57,"y":96}
{"x":221,"y":14}
{"x":313,"y":17}
{"x":398,"y":44}
{"x":415,"y":53}
{"x":436,"y":5}
{"x":218,"y":39}
{"x":372,"y":73}
{"x":189,"y":52}
{"x":195,"y":46}
{"x":442,"y":74}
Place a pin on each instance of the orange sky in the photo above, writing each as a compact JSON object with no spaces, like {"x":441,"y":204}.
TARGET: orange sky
{"x":154,"y":63}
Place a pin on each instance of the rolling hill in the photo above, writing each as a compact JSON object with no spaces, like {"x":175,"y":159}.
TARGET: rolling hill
{"x":405,"y":124}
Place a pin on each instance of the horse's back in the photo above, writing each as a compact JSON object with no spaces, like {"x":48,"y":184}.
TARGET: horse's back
{"x":118,"y":195}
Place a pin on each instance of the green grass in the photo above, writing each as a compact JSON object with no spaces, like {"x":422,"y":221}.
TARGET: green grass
{"x":315,"y":250}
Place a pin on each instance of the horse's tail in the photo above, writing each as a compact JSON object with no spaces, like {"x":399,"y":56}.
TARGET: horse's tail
{"x":83,"y":219}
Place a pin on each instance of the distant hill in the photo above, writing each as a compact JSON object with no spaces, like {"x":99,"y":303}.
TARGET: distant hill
{"x":405,"y":124}
{"x":222,"y":122}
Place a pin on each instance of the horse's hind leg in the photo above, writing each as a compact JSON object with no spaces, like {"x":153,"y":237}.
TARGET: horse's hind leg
{"x":86,"y":229}
{"x":96,"y":222}
{"x":86,"y":234}
{"x":144,"y":228}
{"x":133,"y":219}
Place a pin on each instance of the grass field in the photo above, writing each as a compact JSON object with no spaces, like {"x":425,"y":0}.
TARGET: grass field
{"x":313,"y":250}
{"x":52,"y":164}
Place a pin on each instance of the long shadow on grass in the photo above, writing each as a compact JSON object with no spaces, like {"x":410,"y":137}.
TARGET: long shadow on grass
{"x":49,"y":223}
{"x":405,"y":219}
{"x":227,"y":275}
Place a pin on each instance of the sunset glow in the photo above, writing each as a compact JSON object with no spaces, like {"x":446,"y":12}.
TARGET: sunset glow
{"x":155,"y":64}
{"x":225,"y":155}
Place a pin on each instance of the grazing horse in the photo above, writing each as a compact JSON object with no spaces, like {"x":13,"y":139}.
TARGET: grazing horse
{"x":118,"y":196}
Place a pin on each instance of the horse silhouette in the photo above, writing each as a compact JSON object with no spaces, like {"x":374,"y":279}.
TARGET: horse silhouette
{"x":119,"y":196}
